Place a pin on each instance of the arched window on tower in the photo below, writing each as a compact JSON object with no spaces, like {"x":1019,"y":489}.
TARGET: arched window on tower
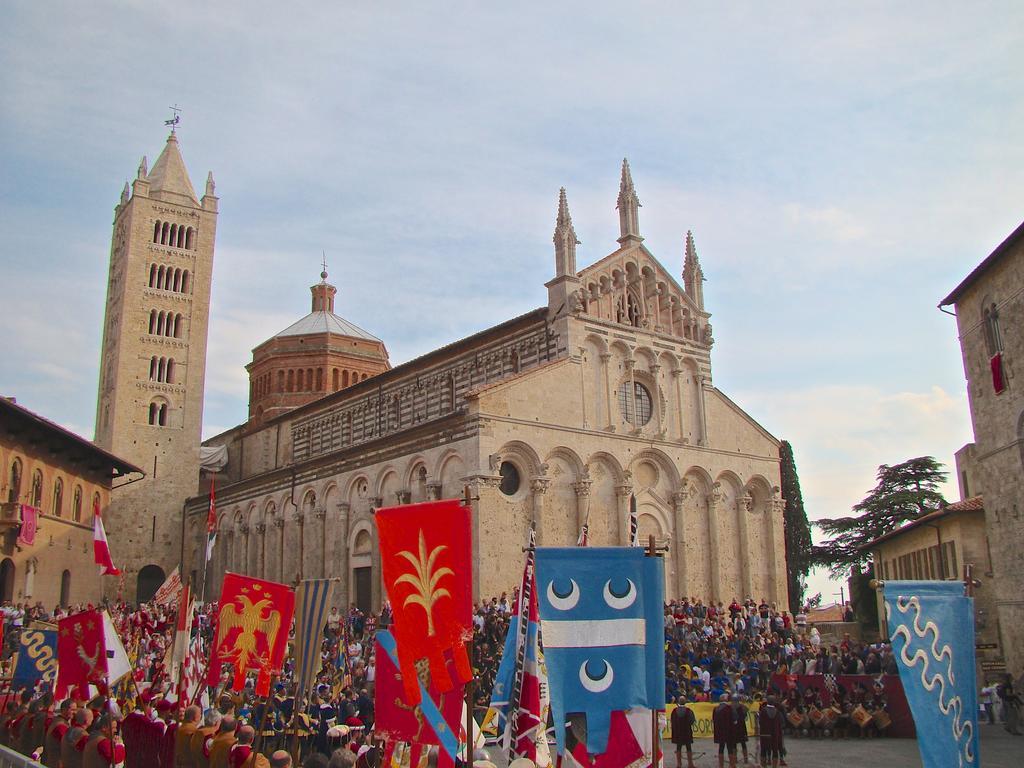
{"x":153,"y":413}
{"x":177,"y":326}
{"x":190,"y":239}
{"x":184,"y":282}
{"x":160,"y":278}
{"x":162,"y":417}
{"x":152,"y":368}
{"x":156,"y":231}
{"x":152,"y":275}
{"x":291,"y":380}
{"x":14,"y":482}
{"x":319,"y":379}
{"x":280,"y":381}
{"x":344,"y":379}
{"x":299,"y":376}
{"x":160,"y":372}
{"x":170,"y":370}
{"x":334,"y":380}
{"x":152,"y":321}
{"x":173,"y":239}
{"x":181,"y":237}
{"x":177,"y":280}
{"x":993,"y":334}
{"x":76,"y":505}
{"x":309,"y":379}
{"x":58,"y":497}
{"x":165,"y":227}
{"x":36,"y":497}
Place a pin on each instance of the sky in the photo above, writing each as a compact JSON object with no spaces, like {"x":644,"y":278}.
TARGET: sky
{"x":842,"y":166}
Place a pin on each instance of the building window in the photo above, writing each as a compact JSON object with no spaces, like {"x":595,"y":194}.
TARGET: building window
{"x":14,"y":486}
{"x":509,"y":478}
{"x":95,"y":504}
{"x":37,"y":489}
{"x":993,"y":337}
{"x":636,"y":409}
{"x":58,"y":497}
{"x":76,"y":507}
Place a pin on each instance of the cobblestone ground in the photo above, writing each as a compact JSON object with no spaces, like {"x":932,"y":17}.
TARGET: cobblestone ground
{"x":998,"y":750}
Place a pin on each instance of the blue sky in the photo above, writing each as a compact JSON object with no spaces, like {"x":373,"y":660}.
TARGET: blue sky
{"x":842,"y":167}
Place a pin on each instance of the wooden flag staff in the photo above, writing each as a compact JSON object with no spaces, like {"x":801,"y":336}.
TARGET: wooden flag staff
{"x":467,"y":502}
{"x":653,"y":550}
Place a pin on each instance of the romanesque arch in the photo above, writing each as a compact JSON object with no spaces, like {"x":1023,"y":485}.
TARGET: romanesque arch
{"x":148,"y":582}
{"x":564,"y":506}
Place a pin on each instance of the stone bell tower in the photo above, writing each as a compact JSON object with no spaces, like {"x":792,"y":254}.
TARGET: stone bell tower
{"x":153,"y":365}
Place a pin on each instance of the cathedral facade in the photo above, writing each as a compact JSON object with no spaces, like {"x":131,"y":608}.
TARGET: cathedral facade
{"x":555,"y":418}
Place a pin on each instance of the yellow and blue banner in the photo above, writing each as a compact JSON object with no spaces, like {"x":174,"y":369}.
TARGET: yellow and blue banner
{"x":312,"y":601}
{"x":931,"y":628}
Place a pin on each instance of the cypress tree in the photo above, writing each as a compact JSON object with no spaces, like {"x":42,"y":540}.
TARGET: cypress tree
{"x":797,"y":529}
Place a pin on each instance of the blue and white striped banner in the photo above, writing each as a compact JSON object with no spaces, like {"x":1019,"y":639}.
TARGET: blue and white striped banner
{"x":931,"y":627}
{"x":312,"y":602}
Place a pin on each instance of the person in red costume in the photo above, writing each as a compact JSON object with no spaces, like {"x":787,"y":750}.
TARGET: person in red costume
{"x":60,"y":725}
{"x":104,"y":748}
{"x":242,"y":754}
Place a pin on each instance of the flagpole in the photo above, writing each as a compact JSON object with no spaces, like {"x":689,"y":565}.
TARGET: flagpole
{"x":653,"y":551}
{"x":471,"y":683}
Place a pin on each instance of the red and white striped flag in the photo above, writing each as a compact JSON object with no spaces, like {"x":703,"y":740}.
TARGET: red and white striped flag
{"x":584,"y":537}
{"x":170,"y":590}
{"x":182,"y":633}
{"x":100,"y":548}
{"x":191,"y":672}
{"x":211,"y":519}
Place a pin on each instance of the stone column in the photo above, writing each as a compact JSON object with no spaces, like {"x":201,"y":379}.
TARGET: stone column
{"x":583,"y":386}
{"x":320,"y":514}
{"x":538,"y":487}
{"x":631,"y":399}
{"x":299,"y":518}
{"x":622,"y":494}
{"x":377,"y":590}
{"x":279,"y":524}
{"x":340,"y":564}
{"x":702,"y":413}
{"x":656,"y":399}
{"x":403,"y":497}
{"x":605,"y":357}
{"x":743,"y":511}
{"x":677,"y":376}
{"x":243,"y":531}
{"x":582,"y":488}
{"x":778,"y":586}
{"x":433,"y":491}
{"x":261,"y":531}
{"x":716,"y":509}
{"x":682,"y":572}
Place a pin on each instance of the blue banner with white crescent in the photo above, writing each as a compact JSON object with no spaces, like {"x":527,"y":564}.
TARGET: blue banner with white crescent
{"x":601,"y":611}
{"x":931,"y":627}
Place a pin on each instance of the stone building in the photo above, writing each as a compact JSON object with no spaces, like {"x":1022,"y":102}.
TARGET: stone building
{"x":989,"y":306}
{"x":937,"y":546}
{"x":64,"y":478}
{"x":557,"y":416}
{"x":153,"y":364}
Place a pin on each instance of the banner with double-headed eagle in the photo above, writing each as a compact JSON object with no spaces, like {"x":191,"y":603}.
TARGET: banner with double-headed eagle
{"x":252,"y":629}
{"x":931,"y":627}
{"x":426,"y":558}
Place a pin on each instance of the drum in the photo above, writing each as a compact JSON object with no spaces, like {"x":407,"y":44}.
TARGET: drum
{"x":830,"y":715}
{"x":795,"y":718}
{"x":816,"y":715}
{"x":861,"y":716}
{"x":881,"y":719}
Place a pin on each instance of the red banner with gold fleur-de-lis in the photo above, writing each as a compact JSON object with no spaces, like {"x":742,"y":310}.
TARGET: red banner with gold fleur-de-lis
{"x":252,"y":629}
{"x":426,"y":558}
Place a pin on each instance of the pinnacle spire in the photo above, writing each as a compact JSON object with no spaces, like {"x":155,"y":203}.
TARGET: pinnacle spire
{"x":124,"y":194}
{"x":628,"y":204}
{"x":564,"y":238}
{"x":693,"y":275}
{"x":169,"y":178}
{"x":143,"y":168}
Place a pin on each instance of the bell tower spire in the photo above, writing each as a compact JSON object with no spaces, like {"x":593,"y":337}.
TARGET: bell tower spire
{"x":693,"y":275}
{"x":564,"y":239}
{"x":629,"y":209}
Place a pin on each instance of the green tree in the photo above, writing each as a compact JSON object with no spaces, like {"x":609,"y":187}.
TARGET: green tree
{"x":904,"y":492}
{"x":799,"y":549}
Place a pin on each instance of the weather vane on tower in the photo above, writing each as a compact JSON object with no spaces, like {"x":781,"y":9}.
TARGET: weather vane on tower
{"x":323,"y":275}
{"x":174,"y":120}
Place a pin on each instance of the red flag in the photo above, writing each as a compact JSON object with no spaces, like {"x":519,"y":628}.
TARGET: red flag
{"x":426,"y":557}
{"x":252,"y":629}
{"x":81,"y":654}
{"x":101,"y":551}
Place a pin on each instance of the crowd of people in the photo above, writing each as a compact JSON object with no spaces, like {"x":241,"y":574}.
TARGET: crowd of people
{"x":732,"y":654}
